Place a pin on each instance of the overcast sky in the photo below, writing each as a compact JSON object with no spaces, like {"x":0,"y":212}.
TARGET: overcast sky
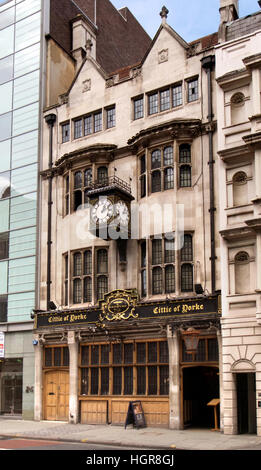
{"x":192,"y":19}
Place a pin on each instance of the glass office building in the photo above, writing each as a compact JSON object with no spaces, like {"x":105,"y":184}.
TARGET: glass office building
{"x":20,"y":106}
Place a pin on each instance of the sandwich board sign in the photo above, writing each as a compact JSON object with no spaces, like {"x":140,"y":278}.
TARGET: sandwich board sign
{"x":135,"y":415}
{"x":2,"y":344}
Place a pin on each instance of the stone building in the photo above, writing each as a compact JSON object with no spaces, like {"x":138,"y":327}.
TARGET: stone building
{"x":129,"y":303}
{"x":239,"y":130}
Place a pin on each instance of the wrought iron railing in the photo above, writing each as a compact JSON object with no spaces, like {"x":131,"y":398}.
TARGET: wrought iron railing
{"x":110,"y":181}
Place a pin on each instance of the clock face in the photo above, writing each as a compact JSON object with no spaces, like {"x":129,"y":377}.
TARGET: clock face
{"x":102,"y":211}
{"x":122,"y":212}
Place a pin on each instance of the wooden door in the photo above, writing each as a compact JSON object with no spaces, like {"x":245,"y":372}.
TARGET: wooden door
{"x":56,"y":396}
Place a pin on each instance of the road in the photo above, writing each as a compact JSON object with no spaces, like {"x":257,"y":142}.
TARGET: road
{"x":37,"y":444}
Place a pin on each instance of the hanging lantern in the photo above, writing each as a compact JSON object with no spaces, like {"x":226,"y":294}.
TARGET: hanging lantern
{"x":191,"y":339}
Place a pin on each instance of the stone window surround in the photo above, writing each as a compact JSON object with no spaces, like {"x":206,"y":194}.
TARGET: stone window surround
{"x":145,"y":170}
{"x":147,"y":267}
{"x":71,"y":129}
{"x":183,"y":97}
{"x":69,"y":277}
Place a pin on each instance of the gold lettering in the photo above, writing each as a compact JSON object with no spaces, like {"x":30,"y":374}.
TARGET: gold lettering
{"x":188,"y":308}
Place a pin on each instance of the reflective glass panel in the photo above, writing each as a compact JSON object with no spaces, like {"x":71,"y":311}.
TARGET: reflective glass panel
{"x":5,"y":126}
{"x":26,"y":89}
{"x":5,"y":152}
{"x":6,"y":92}
{"x":4,"y":4}
{"x":3,"y":277}
{"x":25,"y":119}
{"x":27,"y":32}
{"x":23,"y":211}
{"x":6,"y":41}
{"x":4,"y":185}
{"x":25,"y":149}
{"x":7,"y":18}
{"x":20,"y":306}
{"x":4,"y":211}
{"x":27,"y":60}
{"x":24,"y":180}
{"x":22,"y":242}
{"x":6,"y":67}
{"x":21,"y":274}
{"x":26,"y":8}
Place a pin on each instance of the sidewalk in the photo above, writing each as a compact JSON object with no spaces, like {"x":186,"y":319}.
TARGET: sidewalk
{"x":145,"y":438}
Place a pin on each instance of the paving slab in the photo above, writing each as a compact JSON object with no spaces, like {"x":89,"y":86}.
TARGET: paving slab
{"x":145,"y":438}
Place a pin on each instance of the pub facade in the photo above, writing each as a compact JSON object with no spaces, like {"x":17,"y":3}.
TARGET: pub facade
{"x":129,"y":304}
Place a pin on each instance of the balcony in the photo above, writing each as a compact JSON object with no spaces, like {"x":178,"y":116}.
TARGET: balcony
{"x":109,"y":185}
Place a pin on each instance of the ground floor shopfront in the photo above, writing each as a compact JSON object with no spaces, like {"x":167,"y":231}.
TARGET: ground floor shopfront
{"x":88,"y":372}
{"x":17,"y":371}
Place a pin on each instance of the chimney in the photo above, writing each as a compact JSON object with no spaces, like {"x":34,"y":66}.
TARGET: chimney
{"x":229,"y":11}
{"x":84,"y":39}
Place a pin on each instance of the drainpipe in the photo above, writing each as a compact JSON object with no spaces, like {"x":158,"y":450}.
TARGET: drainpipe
{"x":50,"y":120}
{"x":208,"y":64}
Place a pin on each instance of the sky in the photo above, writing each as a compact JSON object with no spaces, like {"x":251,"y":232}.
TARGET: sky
{"x":191,"y":19}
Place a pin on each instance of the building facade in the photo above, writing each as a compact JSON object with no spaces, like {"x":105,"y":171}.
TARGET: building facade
{"x":20,"y":110}
{"x":238,"y":113}
{"x":129,"y":269}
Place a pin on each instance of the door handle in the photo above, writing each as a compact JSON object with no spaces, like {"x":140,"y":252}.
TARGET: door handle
{"x":51,"y":393}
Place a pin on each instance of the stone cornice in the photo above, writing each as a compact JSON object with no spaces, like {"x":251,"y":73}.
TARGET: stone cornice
{"x":233,"y":153}
{"x":177,"y":128}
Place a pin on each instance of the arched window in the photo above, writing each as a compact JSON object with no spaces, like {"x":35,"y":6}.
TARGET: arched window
{"x":242,"y":272}
{"x":155,"y":159}
{"x":184,"y":153}
{"x":157,"y":280}
{"x":87,"y":266}
{"x":77,"y":291}
{"x":88,"y":177}
{"x":87,"y":289}
{"x":102,"y":175}
{"x":186,"y":259}
{"x":185,"y":176}
{"x":186,"y":277}
{"x":102,"y":261}
{"x":102,"y":286}
{"x":169,"y":279}
{"x":240,"y":189}
{"x":77,"y":264}
{"x":156,"y":181}
{"x":185,"y":166}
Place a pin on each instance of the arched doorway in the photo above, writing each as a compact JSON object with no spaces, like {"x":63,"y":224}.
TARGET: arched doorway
{"x":200,"y":386}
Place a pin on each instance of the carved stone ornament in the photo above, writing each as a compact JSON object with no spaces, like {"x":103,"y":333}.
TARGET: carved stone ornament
{"x":86,"y":85}
{"x":242,"y":257}
{"x":240,"y":177}
{"x":238,"y":99}
{"x":163,"y":56}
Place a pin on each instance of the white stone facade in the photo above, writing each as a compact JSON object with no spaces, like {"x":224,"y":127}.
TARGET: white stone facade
{"x":238,"y":77}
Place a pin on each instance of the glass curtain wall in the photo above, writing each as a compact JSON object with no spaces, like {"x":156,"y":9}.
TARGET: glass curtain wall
{"x":20,"y":36}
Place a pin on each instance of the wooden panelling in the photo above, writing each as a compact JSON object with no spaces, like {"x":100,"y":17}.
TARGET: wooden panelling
{"x":156,"y":412}
{"x":94,"y":411}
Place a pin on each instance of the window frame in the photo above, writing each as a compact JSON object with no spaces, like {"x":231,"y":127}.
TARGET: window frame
{"x":65,"y":127}
{"x":77,"y":291}
{"x":161,"y":168}
{"x":156,"y":101}
{"x":123,"y":370}
{"x":170,"y":262}
{"x":192,"y":89}
{"x":138,"y":107}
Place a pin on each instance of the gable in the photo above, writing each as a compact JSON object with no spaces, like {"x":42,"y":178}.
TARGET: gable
{"x":166,"y":59}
